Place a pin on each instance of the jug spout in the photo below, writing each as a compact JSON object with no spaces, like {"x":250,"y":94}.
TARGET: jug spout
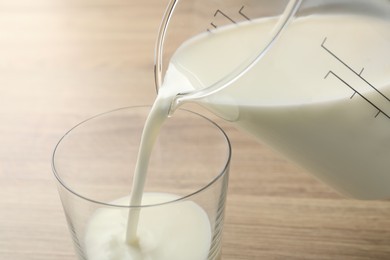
{"x":178,"y":100}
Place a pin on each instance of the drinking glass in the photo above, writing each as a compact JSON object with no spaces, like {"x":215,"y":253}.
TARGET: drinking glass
{"x":94,"y":163}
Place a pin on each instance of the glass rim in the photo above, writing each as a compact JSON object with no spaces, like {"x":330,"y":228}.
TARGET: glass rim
{"x":222,"y":172}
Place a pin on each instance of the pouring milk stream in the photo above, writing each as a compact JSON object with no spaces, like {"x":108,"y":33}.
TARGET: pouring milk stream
{"x":317,"y":96}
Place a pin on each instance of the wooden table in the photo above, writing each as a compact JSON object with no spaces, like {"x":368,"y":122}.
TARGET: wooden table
{"x":64,"y":61}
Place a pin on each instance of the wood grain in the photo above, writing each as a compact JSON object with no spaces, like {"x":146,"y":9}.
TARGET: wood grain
{"x":63,"y":61}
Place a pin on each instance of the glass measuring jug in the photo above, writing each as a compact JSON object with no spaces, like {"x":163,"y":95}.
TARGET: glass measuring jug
{"x":315,"y":84}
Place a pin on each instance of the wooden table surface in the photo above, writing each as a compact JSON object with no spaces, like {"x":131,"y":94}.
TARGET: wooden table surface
{"x":64,"y":61}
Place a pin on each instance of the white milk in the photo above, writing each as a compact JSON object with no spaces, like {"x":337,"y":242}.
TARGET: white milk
{"x":180,"y":230}
{"x":153,"y":124}
{"x":163,"y":231}
{"x":287,"y":102}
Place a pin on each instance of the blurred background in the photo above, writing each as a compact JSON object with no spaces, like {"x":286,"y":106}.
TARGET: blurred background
{"x":61,"y":61}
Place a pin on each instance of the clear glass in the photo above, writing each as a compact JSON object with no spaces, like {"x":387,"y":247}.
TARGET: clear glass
{"x":94,"y":164}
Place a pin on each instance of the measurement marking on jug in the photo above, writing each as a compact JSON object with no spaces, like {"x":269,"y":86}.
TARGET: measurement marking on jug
{"x":213,"y":25}
{"x":242,"y":14}
{"x":219,"y":12}
{"x":357,"y":92}
{"x":358,"y":74}
{"x":225,"y":15}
